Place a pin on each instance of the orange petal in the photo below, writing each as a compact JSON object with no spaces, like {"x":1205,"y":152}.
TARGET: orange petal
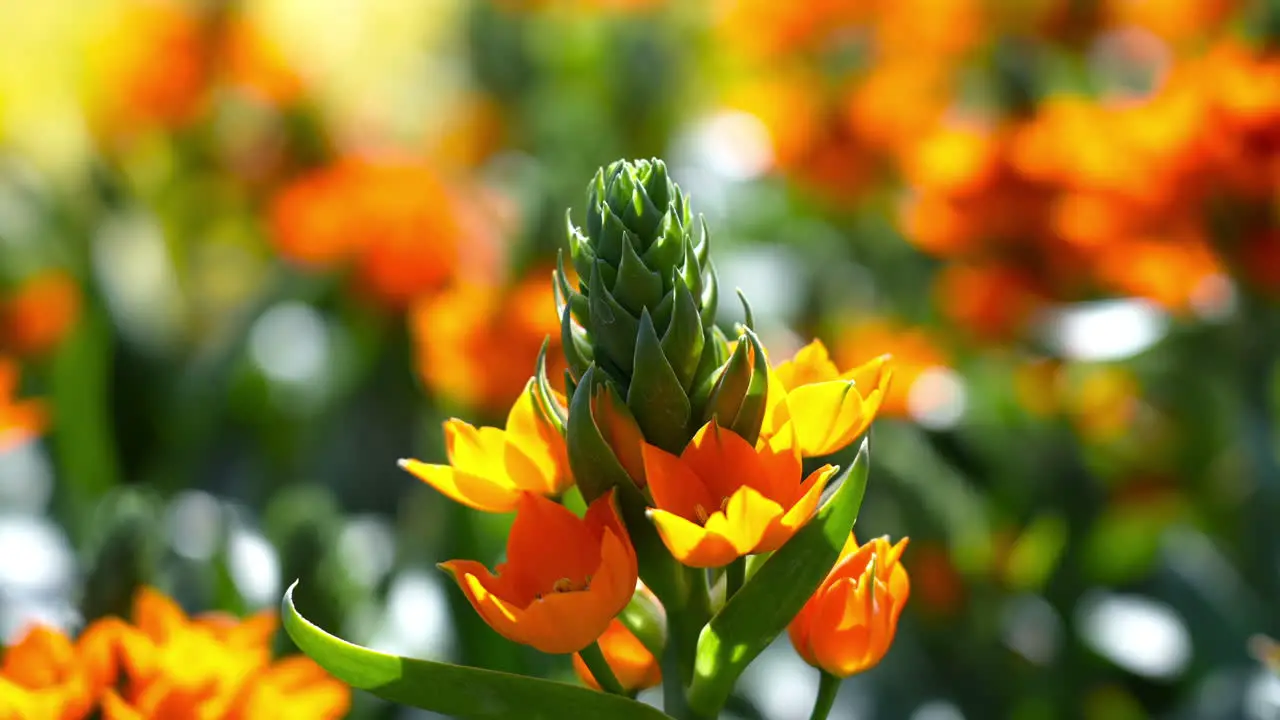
{"x":674,"y":486}
{"x":691,"y":544}
{"x":496,"y":495}
{"x":157,"y":615}
{"x":548,"y":542}
{"x":562,"y":623}
{"x":540,"y":442}
{"x":839,"y":641}
{"x":505,"y":618}
{"x":115,"y":708}
{"x":725,"y":462}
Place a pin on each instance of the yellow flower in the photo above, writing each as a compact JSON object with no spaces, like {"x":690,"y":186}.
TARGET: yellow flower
{"x":46,"y":675}
{"x":849,"y":623}
{"x":722,"y":498}
{"x":564,"y":580}
{"x":489,"y":469}
{"x":826,"y":409}
{"x":633,"y":665}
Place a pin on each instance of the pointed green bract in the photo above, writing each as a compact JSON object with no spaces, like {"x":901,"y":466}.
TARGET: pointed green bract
{"x":453,"y":690}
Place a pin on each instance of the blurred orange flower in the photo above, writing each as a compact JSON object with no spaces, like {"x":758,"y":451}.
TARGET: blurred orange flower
{"x":20,"y":420}
{"x":150,"y":67}
{"x":39,"y":313}
{"x":849,"y":623}
{"x":46,"y":675}
{"x":164,"y":667}
{"x":565,"y":578}
{"x":253,"y":63}
{"x":913,"y":353}
{"x":633,"y":665}
{"x":403,"y":227}
{"x":475,"y":343}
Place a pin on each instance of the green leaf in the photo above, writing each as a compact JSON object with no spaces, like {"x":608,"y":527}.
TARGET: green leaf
{"x":453,"y":690}
{"x":682,"y":342}
{"x":772,"y":597}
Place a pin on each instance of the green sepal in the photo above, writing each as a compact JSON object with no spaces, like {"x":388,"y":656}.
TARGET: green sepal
{"x":554,"y":412}
{"x":710,"y":294}
{"x":637,"y":287}
{"x":575,"y":344}
{"x":740,"y":394}
{"x":749,"y":318}
{"x":580,"y":251}
{"x":682,"y":339}
{"x":613,"y":329}
{"x":592,"y":460}
{"x":613,"y":235}
{"x":667,"y":249}
{"x":452,"y":690}
{"x":656,"y":397}
{"x":702,"y":247}
{"x":715,"y":353}
{"x":647,"y":620}
{"x":690,"y":271}
{"x":775,"y":593}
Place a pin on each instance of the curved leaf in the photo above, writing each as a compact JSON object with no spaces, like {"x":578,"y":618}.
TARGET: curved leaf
{"x":453,"y":690}
{"x":770,"y":599}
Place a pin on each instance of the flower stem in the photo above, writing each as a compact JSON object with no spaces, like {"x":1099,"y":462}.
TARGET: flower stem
{"x":593,"y":656}
{"x":828,"y":688}
{"x":735,"y":575}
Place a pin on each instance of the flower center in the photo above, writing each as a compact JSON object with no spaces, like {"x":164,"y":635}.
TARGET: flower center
{"x":701,"y":512}
{"x":566,"y":585}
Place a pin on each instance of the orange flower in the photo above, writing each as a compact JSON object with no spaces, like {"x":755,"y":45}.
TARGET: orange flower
{"x":46,"y":675}
{"x":402,"y":226}
{"x":490,"y":469}
{"x":475,"y":344}
{"x":35,"y":317}
{"x":20,"y":421}
{"x":213,"y":667}
{"x":849,"y":623}
{"x":633,"y":665}
{"x":913,"y":351}
{"x":722,"y":498}
{"x":565,"y":579}
{"x":150,"y":67}
{"x":826,"y":409}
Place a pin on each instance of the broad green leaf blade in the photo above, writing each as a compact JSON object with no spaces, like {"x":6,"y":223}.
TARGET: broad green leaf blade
{"x":453,"y":690}
{"x":766,"y":604}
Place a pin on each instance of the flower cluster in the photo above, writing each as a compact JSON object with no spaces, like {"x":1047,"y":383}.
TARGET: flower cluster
{"x":20,"y":420}
{"x":668,"y":431}
{"x":164,"y":665}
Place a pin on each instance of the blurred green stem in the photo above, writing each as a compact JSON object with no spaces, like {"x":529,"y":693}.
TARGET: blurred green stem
{"x":83,"y":444}
{"x":1257,"y":355}
{"x":595,"y":661}
{"x":828,"y":688}
{"x":685,"y":620}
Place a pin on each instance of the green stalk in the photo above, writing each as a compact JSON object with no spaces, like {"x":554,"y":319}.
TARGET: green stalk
{"x":828,"y":688}
{"x":735,"y":576}
{"x":594,"y":659}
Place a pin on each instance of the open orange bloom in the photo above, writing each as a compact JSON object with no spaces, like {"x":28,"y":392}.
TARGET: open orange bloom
{"x":633,"y":665}
{"x":475,"y":343}
{"x":20,"y":421}
{"x":826,"y":409}
{"x":213,"y":668}
{"x":39,"y":313}
{"x":565,"y":579}
{"x":849,"y":623}
{"x":489,"y":469}
{"x":722,"y":498}
{"x":46,"y":675}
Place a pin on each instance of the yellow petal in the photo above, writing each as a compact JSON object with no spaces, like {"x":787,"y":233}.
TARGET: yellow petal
{"x":827,"y":416}
{"x":691,"y":544}
{"x":811,"y":364}
{"x":745,"y":520}
{"x":797,"y":515}
{"x":495,"y":495}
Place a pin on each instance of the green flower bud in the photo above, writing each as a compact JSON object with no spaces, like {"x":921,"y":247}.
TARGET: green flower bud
{"x":643,"y":309}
